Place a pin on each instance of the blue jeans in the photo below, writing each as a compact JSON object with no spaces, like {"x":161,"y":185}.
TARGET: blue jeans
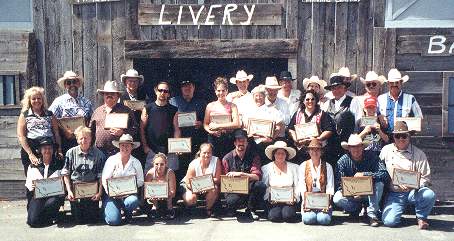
{"x":112,"y":208}
{"x":352,"y":205}
{"x":317,"y":217}
{"x":396,"y":202}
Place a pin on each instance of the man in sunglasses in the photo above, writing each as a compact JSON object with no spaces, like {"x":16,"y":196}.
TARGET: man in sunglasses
{"x":70,"y":105}
{"x":372,"y":84}
{"x":403,"y":155}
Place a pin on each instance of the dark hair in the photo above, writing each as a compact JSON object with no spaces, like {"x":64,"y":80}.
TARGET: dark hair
{"x":274,"y":152}
{"x":161,"y":82}
{"x":316,"y":97}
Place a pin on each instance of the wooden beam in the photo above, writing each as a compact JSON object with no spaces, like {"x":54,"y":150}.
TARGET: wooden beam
{"x":273,"y":48}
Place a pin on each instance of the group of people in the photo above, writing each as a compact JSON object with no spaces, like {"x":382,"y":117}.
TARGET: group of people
{"x":341,"y":146}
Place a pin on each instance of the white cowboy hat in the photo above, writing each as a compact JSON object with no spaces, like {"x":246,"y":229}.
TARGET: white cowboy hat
{"x":314,"y":79}
{"x":69,"y":75}
{"x":279,"y":145}
{"x":345,"y":72}
{"x":131,"y":73}
{"x":126,"y":138}
{"x":110,"y":87}
{"x":394,"y":75}
{"x":259,"y":89}
{"x":372,"y":76}
{"x":241,"y":75}
{"x":271,"y":83}
{"x":353,"y":140}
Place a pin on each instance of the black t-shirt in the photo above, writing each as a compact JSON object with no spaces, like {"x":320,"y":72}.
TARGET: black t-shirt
{"x":160,"y":126}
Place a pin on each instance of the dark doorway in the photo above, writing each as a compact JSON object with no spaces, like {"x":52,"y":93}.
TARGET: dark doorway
{"x":204,"y":72}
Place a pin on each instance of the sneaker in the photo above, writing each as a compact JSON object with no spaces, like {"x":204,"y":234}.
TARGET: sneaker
{"x":423,"y":224}
{"x":252,"y":215}
{"x":170,"y":214}
{"x":374,"y":222}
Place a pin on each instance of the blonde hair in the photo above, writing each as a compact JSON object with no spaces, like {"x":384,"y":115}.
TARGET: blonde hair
{"x":220,"y":81}
{"x":81,"y":130}
{"x":27,"y":97}
{"x":160,"y":155}
{"x":202,"y":146}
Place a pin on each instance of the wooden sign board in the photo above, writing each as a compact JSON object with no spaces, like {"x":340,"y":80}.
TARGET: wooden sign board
{"x":91,"y":1}
{"x":214,"y":14}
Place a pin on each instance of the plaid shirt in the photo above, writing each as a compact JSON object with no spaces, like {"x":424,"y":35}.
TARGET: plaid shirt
{"x":67,"y":106}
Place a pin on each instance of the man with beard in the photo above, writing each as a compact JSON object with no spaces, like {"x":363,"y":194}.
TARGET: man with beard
{"x":70,"y":104}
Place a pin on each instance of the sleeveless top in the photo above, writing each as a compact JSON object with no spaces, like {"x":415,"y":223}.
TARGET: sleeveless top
{"x":153,"y":175}
{"x":210,"y":170}
{"x":309,"y":179}
{"x":218,"y":109}
{"x":38,"y":126}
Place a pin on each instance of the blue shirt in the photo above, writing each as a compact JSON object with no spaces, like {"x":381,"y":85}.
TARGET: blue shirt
{"x":67,"y":106}
{"x":198,"y":105}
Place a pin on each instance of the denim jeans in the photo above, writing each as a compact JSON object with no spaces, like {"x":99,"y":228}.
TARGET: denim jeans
{"x":352,"y":205}
{"x":396,"y":202}
{"x":112,"y":208}
{"x":317,"y":217}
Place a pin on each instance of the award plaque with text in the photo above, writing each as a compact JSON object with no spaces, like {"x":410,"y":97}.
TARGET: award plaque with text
{"x":306,"y":130}
{"x":85,"y":189}
{"x":282,"y":194}
{"x":49,"y":187}
{"x":121,"y":186}
{"x":220,"y":119}
{"x":202,"y":183}
{"x":316,"y":200}
{"x":234,"y":184}
{"x":406,"y":177}
{"x":72,"y":123}
{"x":179,"y":145}
{"x":413,"y":123}
{"x":116,"y":120}
{"x":260,"y":127}
{"x":186,"y":119}
{"x":357,"y":186}
{"x":134,"y":104}
{"x":156,"y":190}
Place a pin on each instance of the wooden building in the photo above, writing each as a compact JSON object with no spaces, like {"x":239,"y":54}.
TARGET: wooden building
{"x":169,"y":39}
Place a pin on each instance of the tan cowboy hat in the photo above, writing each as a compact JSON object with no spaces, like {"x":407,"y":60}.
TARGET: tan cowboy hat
{"x":241,"y":75}
{"x":279,"y":145}
{"x":126,"y":138}
{"x":110,"y":87}
{"x":345,"y":72}
{"x":315,"y":143}
{"x":69,"y":75}
{"x":394,"y":75}
{"x":372,"y":76}
{"x":400,"y":127}
{"x":131,"y":73}
{"x":353,"y":140}
{"x":259,"y":89}
{"x":314,"y":79}
{"x":271,"y":83}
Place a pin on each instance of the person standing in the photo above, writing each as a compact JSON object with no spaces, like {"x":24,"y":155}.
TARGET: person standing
{"x":287,"y":93}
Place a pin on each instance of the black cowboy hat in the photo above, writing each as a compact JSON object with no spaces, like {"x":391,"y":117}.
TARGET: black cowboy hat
{"x":336,"y":80}
{"x":286,"y":75}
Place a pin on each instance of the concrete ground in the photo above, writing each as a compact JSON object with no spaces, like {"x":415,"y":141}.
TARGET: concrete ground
{"x":194,"y":227}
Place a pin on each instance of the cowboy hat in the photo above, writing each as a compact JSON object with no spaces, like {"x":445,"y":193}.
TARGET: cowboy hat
{"x":241,"y":75}
{"x":335,"y":80}
{"x":286,"y":75}
{"x":279,"y":145}
{"x":126,"y":138}
{"x":345,"y":72}
{"x":353,"y":140}
{"x":131,"y":73}
{"x":69,"y":75}
{"x":314,"y":79}
{"x":372,"y":76}
{"x":315,"y":143}
{"x":394,"y":75}
{"x":400,"y":127}
{"x":271,"y":83}
{"x":110,"y":87}
{"x":258,"y":89}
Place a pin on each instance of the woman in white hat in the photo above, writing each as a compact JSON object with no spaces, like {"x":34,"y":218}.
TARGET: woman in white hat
{"x":120,"y":165}
{"x":316,"y":84}
{"x":277,"y":174}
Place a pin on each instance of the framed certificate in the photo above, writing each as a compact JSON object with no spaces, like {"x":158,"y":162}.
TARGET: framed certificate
{"x":134,"y":104}
{"x":313,"y":200}
{"x":156,"y":190}
{"x":72,"y":122}
{"x":121,"y":186}
{"x":186,"y":119}
{"x":85,"y":189}
{"x":406,"y":177}
{"x":281,"y":194}
{"x":260,"y":127}
{"x":306,"y":130}
{"x":357,"y":186}
{"x":179,"y":145}
{"x":413,"y":123}
{"x":234,"y":184}
{"x":368,"y":121}
{"x":220,"y":119}
{"x":202,"y":183}
{"x":116,"y":120}
{"x":49,"y":187}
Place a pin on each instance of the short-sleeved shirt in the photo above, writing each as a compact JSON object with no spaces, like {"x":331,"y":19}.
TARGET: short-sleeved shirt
{"x":114,"y":168}
{"x":159,"y":126}
{"x":68,"y":106}
{"x":38,"y":126}
{"x":84,"y":167}
{"x":293,"y":100}
{"x":282,"y":106}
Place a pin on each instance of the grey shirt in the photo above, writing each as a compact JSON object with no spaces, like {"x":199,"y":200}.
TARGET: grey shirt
{"x":84,"y":167}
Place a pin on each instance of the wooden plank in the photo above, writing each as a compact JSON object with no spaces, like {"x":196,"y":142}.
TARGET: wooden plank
{"x":104,"y":40}
{"x":424,"y":82}
{"x":8,"y":137}
{"x":12,"y":190}
{"x":118,"y":29}
{"x":66,"y":49}
{"x":291,"y":18}
{"x":421,"y":44}
{"x":352,"y":46}
{"x":379,"y":13}
{"x":328,"y":41}
{"x":169,"y":32}
{"x":77,"y":34}
{"x":318,"y":26}
{"x":411,"y":62}
{"x":38,"y":28}
{"x":341,"y":36}
{"x":89,"y":49}
{"x":379,"y":50}
{"x":445,"y":101}
{"x":279,"y":48}
{"x":11,"y":169}
{"x":390,"y":49}
{"x":132,"y":28}
{"x":91,"y":1}
{"x":305,"y":45}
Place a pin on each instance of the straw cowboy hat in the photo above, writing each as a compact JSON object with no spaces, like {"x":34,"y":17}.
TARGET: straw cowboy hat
{"x":131,"y":73}
{"x":335,"y":80}
{"x":126,"y":138}
{"x":271,"y":83}
{"x":394,"y":75}
{"x":372,"y":76}
{"x":314,"y":79}
{"x":353,"y":140}
{"x":400,"y":127}
{"x":345,"y":72}
{"x":315,"y":143}
{"x":241,"y":75}
{"x":259,"y":89}
{"x":279,"y":145}
{"x":69,"y":75}
{"x":110,"y":87}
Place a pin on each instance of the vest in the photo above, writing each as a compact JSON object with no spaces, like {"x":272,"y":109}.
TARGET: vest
{"x":309,"y":179}
{"x":344,"y":119}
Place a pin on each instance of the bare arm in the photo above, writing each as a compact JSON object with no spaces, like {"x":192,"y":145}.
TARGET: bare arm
{"x":22,"y":136}
{"x":143,"y":124}
{"x":177,"y":131}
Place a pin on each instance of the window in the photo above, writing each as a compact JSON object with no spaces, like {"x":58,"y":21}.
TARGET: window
{"x":16,"y":15}
{"x":9,"y":90}
{"x":419,"y":14}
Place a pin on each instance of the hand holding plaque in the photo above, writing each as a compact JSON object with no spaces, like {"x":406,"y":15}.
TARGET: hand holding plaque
{"x":357,"y":186}
{"x":186,"y":119}
{"x":202,"y":183}
{"x":72,"y":123}
{"x":179,"y":145}
{"x":85,"y":189}
{"x":156,"y":190}
{"x":49,"y":187}
{"x":116,"y":120}
{"x":407,"y":178}
{"x":234,"y":184}
{"x":220,"y":119}
{"x":306,"y":130}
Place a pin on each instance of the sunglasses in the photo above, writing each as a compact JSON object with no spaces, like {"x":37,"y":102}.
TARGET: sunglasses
{"x":393,"y":83}
{"x":372,"y":84}
{"x":163,"y":91}
{"x":309,"y":99}
{"x":400,"y":136}
{"x":71,"y":81}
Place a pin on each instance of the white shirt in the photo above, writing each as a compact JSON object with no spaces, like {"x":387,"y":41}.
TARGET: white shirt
{"x":282,"y":106}
{"x":316,"y":174}
{"x":34,"y":174}
{"x":210,"y":170}
{"x":293,"y":100}
{"x":115,"y":168}
{"x":337,"y":103}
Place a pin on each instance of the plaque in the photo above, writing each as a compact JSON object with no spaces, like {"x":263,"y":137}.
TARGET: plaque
{"x":220,"y":119}
{"x":121,"y":186}
{"x":413,"y":123}
{"x":134,"y":104}
{"x":49,"y":187}
{"x":72,"y":123}
{"x":316,"y":200}
{"x":368,"y":121}
{"x":234,"y":184}
{"x":406,"y":177}
{"x":155,"y":190}
{"x":260,"y":127}
{"x":357,"y":186}
{"x":116,"y":120}
{"x":179,"y":145}
{"x":202,"y":183}
{"x":85,"y":189}
{"x":282,"y":194}
{"x":306,"y":130}
{"x":186,"y":119}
